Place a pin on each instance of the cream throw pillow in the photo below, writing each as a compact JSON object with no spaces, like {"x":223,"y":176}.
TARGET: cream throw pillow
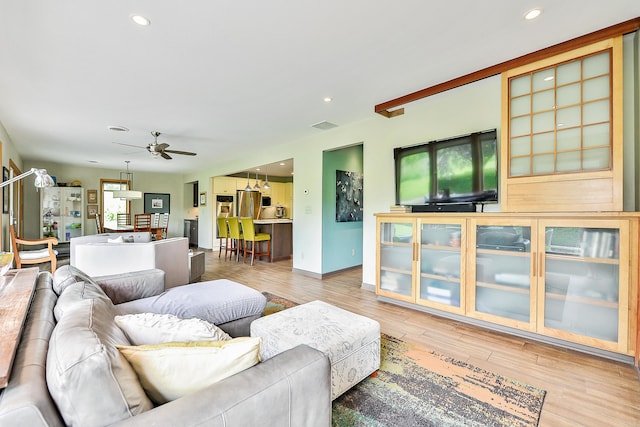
{"x":172,"y":370}
{"x":152,"y":328}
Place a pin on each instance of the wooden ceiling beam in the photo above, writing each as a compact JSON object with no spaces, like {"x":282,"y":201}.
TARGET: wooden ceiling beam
{"x":386,"y":108}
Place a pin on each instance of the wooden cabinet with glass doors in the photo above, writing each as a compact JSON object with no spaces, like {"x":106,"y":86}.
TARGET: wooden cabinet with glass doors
{"x":570,"y":279}
{"x":421,"y":262}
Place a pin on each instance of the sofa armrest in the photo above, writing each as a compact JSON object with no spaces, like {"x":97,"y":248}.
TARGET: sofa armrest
{"x":125,"y":287}
{"x":292,"y":388}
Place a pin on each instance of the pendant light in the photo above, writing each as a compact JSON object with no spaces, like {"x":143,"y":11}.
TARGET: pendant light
{"x":248,"y":187}
{"x":257,"y":186}
{"x":126,"y":186}
{"x":266,"y":184}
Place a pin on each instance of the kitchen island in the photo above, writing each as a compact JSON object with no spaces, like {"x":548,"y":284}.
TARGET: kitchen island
{"x":281,"y":231}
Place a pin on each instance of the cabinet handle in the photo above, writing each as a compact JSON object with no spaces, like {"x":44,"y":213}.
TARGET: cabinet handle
{"x":540,"y":263}
{"x":535,"y":265}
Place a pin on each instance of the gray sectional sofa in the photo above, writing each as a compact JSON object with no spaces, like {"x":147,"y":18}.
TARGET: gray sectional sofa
{"x":96,"y":386}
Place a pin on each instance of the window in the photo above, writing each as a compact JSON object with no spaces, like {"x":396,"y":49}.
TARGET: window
{"x":110,"y":206}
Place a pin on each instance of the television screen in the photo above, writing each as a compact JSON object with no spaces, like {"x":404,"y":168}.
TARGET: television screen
{"x":462,"y":169}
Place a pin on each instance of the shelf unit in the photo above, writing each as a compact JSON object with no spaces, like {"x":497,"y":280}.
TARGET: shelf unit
{"x":62,"y":212}
{"x":567,"y":278}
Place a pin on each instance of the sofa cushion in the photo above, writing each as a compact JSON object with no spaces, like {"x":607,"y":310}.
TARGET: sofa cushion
{"x":73,"y":295}
{"x":151,"y":328}
{"x":124,"y":287}
{"x":172,"y":370}
{"x":88,"y":378}
{"x":68,"y":275}
{"x":216,"y":301}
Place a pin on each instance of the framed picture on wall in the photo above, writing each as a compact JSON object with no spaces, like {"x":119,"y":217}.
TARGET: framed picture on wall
{"x":5,"y":191}
{"x":157,"y":203}
{"x":91,"y":211}
{"x":92,"y":196}
{"x":203,"y":199}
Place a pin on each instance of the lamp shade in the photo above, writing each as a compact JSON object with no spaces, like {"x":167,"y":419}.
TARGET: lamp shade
{"x":127,"y":194}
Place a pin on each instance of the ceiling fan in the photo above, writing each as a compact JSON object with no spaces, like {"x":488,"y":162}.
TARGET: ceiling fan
{"x":159,"y":150}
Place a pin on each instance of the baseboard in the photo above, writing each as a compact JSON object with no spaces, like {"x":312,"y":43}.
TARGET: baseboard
{"x":324,"y":275}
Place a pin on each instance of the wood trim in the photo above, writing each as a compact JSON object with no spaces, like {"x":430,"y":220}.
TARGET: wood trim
{"x":585,"y":40}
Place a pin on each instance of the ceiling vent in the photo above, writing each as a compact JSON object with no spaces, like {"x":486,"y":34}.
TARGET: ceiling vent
{"x":325,"y":125}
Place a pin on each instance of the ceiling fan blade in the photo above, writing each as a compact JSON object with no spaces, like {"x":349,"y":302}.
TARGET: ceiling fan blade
{"x":161,"y":147}
{"x":184,"y":153}
{"x":128,"y":145}
{"x":165,"y":156}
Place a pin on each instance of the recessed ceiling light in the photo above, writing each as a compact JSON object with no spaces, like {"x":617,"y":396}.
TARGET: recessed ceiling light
{"x":532,"y":14}
{"x":328,"y":99}
{"x":141,"y":20}
{"x":282,"y":164}
{"x":118,"y":128}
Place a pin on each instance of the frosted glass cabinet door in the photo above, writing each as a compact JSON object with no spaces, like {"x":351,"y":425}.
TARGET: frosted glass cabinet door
{"x":396,"y":259}
{"x":441,"y":266}
{"x":503,"y":278}
{"x":583,"y":282}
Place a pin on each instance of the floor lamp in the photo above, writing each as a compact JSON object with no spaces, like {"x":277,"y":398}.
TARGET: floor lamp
{"x":42,"y":178}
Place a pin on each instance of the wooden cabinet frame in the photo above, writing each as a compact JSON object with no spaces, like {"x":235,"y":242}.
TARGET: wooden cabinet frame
{"x":566,"y":192}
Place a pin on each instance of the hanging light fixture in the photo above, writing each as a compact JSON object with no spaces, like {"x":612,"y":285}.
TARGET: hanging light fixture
{"x":266,"y":184}
{"x":257,"y":186}
{"x":126,"y":186}
{"x":248,"y":187}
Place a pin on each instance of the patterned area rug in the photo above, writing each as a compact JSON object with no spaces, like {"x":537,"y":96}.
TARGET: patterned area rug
{"x":418,"y":387}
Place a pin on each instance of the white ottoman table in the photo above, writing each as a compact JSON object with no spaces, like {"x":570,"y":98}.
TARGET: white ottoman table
{"x":351,"y":341}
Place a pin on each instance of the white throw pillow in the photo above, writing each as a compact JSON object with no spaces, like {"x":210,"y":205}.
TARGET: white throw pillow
{"x":152,"y":328}
{"x":118,"y":239}
{"x":172,"y":370}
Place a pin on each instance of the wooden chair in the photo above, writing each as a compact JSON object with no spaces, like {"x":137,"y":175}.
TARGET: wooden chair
{"x":123,"y":219}
{"x":36,"y":256}
{"x":223,"y":234}
{"x":142,"y":222}
{"x":236,"y":236}
{"x":164,"y":224}
{"x":99,"y":226}
{"x":250,"y":236}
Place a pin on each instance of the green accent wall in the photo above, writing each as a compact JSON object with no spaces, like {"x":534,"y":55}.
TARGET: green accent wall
{"x":341,"y":241}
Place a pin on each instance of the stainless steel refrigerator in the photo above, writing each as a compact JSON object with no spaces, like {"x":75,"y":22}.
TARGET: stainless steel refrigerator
{"x":248,"y":203}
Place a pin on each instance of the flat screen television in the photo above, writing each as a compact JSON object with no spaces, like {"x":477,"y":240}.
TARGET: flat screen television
{"x":461,"y":171}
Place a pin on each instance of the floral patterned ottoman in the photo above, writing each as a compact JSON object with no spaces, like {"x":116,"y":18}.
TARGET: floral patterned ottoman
{"x":351,"y":341}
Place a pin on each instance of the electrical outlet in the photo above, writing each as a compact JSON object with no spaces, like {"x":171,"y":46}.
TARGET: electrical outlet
{"x":353,"y":252}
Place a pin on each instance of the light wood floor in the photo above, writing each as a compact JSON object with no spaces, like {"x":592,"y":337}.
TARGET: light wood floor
{"x":582,"y":390}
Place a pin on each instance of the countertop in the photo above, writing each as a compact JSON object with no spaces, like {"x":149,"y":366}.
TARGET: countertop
{"x":273,"y":221}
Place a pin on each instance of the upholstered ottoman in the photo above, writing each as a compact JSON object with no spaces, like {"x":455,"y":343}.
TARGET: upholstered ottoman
{"x":227,"y":304}
{"x":351,"y":341}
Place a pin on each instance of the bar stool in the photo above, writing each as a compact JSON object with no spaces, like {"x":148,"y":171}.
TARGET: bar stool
{"x":223,"y":234}
{"x":236,"y":236}
{"x":250,"y":235}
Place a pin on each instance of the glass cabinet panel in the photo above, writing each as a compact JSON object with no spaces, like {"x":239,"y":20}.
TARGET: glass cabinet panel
{"x":582,"y":279}
{"x":396,"y":258}
{"x":569,"y":96}
{"x":440,"y":264}
{"x":503,"y":272}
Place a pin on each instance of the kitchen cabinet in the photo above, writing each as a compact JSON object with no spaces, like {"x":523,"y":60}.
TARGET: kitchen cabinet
{"x":61,"y":212}
{"x":563,"y":278}
{"x":224,"y":185}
